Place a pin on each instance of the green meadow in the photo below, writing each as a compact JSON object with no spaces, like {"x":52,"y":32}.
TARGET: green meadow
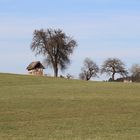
{"x":43,"y":108}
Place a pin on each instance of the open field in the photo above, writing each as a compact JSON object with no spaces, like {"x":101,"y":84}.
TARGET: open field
{"x":39,"y":108}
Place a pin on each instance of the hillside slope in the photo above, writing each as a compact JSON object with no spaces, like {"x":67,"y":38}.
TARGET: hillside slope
{"x":41,"y":108}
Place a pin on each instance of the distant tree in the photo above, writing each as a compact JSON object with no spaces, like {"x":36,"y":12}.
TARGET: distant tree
{"x":135,"y":70}
{"x":55,"y":45}
{"x":69,"y":76}
{"x":89,"y":70}
{"x":113,"y":66}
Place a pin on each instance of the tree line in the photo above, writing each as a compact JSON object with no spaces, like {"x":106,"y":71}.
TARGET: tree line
{"x":56,"y":47}
{"x":110,"y":67}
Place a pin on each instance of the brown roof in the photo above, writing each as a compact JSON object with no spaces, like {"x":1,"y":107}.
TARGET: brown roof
{"x":35,"y":65}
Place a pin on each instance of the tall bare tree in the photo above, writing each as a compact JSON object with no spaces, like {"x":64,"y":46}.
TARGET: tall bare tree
{"x":89,"y":70}
{"x":55,"y":45}
{"x":111,"y":66}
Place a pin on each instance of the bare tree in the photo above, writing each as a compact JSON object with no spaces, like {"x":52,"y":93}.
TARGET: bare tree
{"x":69,"y":76}
{"x":89,"y":70}
{"x":135,"y":70}
{"x":55,"y":45}
{"x":111,"y":66}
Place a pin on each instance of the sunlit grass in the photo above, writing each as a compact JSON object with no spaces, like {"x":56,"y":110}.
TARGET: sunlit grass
{"x":40,"y":108}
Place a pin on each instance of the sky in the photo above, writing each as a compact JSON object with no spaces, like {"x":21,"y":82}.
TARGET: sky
{"x":102,"y":28}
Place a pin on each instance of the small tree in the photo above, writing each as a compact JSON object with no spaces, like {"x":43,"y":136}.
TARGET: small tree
{"x":89,"y":70}
{"x":135,"y":70}
{"x":69,"y":76}
{"x":55,"y":45}
{"x":113,"y":66}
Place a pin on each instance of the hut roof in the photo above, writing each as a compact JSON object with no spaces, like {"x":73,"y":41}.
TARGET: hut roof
{"x":35,"y":65}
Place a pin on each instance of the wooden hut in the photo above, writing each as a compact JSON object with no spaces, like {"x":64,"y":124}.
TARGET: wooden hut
{"x":35,"y":68}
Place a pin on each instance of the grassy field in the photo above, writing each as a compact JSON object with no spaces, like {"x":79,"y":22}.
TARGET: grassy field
{"x":40,"y":108}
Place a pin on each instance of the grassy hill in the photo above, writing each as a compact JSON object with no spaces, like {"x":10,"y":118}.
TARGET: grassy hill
{"x":40,"y":108}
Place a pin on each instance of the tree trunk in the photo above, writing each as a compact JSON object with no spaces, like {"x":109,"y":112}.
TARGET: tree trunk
{"x":113,"y":76}
{"x":87,"y":79}
{"x":55,"y":72}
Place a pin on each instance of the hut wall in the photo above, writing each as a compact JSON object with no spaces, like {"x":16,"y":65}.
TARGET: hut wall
{"x":37,"y":72}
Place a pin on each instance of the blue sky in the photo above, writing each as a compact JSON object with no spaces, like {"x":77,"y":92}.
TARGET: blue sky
{"x":102,"y":28}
